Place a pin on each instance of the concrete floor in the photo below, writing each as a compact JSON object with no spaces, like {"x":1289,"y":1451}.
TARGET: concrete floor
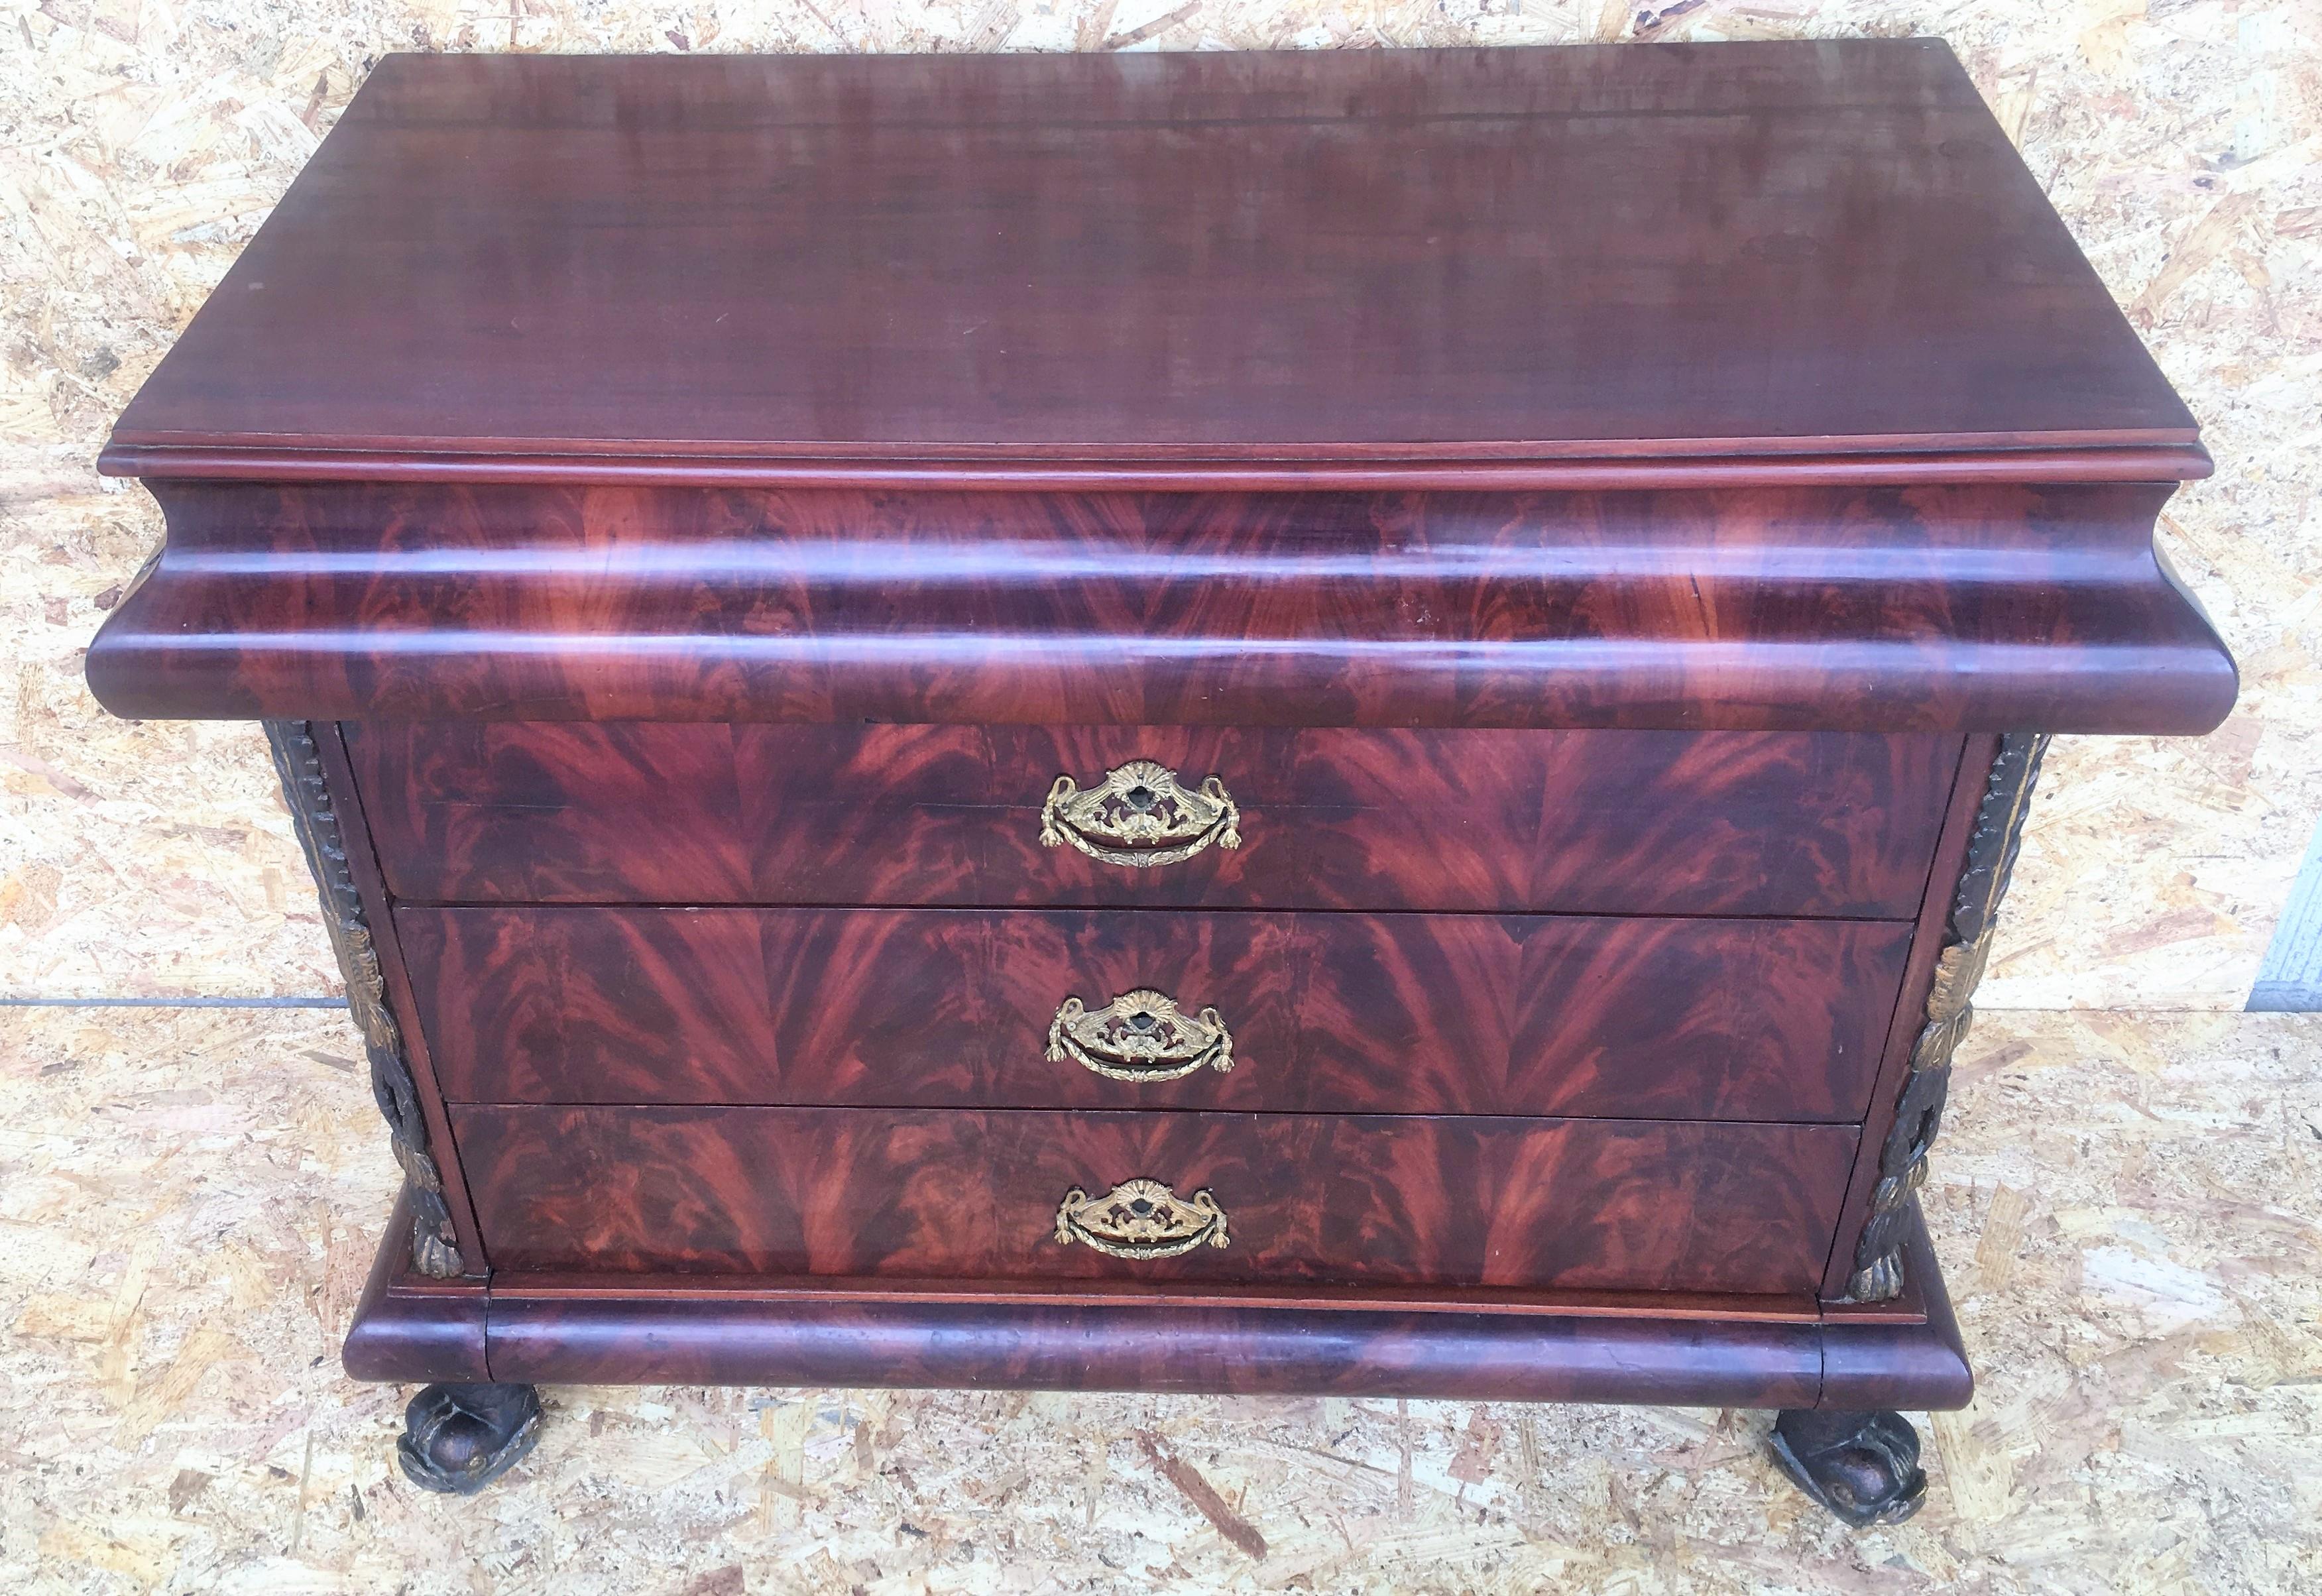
{"x":2129,"y":1209}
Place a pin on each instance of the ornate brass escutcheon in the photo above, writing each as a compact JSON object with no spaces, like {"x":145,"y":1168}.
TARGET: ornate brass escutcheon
{"x":1139,"y":1036}
{"x":1141,"y":1219}
{"x":1140,"y":815}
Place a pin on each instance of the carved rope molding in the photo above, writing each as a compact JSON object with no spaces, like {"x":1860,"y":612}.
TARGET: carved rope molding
{"x":434,"y":1249}
{"x":1967,"y":945}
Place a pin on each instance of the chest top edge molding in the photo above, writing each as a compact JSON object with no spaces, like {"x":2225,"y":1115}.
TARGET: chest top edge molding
{"x":1875,"y":607}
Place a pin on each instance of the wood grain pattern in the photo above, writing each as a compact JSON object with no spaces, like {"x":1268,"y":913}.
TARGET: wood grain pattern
{"x":1349,"y":1352}
{"x":331,"y":846}
{"x":1881,"y":607}
{"x":710,"y":589}
{"x":1919,"y":978}
{"x":408,"y":1327}
{"x":378,"y":906}
{"x":1826,"y":244}
{"x":1611,"y":823}
{"x":1094,"y":1334}
{"x":1401,"y":1013}
{"x":1344,"y":1352}
{"x":1866,"y":1366}
{"x":1637,"y":1206}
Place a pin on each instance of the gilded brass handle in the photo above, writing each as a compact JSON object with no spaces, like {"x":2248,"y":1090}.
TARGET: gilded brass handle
{"x":1139,"y":1036}
{"x":1140,"y":815}
{"x":1141,"y":1219}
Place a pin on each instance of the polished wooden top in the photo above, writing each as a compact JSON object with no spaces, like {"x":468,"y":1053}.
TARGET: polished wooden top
{"x":1745,"y":387}
{"x":1820,"y":249}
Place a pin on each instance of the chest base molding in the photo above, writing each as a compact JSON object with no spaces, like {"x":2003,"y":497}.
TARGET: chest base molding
{"x":1708,"y":1351}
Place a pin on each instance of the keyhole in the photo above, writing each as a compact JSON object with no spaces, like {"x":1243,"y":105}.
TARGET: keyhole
{"x":1142,"y":1021}
{"x":1141,"y":799}
{"x":1141,"y":1207}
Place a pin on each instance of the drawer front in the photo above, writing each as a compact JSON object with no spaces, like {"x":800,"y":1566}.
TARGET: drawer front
{"x":1588,"y":822}
{"x":1314,"y":1013}
{"x":953,"y":1194}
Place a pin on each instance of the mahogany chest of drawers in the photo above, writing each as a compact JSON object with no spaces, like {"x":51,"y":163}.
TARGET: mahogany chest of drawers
{"x":1342,"y":722}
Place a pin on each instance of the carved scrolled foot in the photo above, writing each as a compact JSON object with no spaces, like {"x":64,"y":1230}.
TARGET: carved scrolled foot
{"x":1864,"y":1467}
{"x":460,"y":1438}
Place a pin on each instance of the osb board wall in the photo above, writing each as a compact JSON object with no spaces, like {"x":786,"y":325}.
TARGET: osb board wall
{"x":144,"y":142}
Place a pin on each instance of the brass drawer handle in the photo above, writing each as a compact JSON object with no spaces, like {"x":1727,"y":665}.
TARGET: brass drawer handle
{"x":1141,"y":1219}
{"x":1139,"y":1036}
{"x":1140,"y":815}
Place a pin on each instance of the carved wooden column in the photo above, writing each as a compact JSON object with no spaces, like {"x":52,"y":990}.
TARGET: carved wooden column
{"x":434,"y":1250}
{"x":1967,"y":946}
{"x":1864,"y":1466}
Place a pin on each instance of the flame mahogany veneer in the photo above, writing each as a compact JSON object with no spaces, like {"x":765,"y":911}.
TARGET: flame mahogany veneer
{"x":1726,"y":823}
{"x":951,"y":1194}
{"x":1370,"y":1014}
{"x":1605,"y":516}
{"x":1787,"y":604}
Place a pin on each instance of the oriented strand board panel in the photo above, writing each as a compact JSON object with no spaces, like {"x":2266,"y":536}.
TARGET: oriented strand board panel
{"x":144,"y":142}
{"x":188,"y":1201}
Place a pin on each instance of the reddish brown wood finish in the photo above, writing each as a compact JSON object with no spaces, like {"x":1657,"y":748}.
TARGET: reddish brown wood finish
{"x":1368,"y":429}
{"x":1128,"y":1347}
{"x":1695,"y":1349}
{"x":1534,"y":1302}
{"x":1345,"y":1352}
{"x":1620,"y":822}
{"x":379,"y":919}
{"x":1400,"y":1014}
{"x":1637,"y":1204}
{"x":1479,"y":468}
{"x":1878,"y":608}
{"x":1734,"y":247}
{"x":1866,"y":1366}
{"x":1911,"y":1005}
{"x":407,"y":1327}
